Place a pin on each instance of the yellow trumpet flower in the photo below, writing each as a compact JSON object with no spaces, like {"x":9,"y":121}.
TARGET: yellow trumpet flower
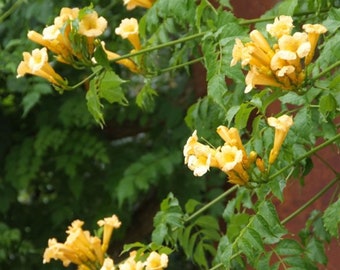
{"x":313,"y":31}
{"x":37,"y":64}
{"x":129,"y":29}
{"x":281,"y":125}
{"x":131,"y":4}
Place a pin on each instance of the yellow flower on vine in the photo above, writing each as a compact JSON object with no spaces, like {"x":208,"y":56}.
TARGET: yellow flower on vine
{"x":109,"y":224}
{"x":108,"y":264}
{"x":282,"y":125}
{"x":91,"y":25}
{"x":313,"y":31}
{"x":66,"y":14}
{"x":131,"y":4}
{"x":156,"y":261}
{"x":80,"y":248}
{"x":282,"y":25}
{"x":37,"y":64}
{"x":125,"y":62}
{"x":130,"y":263}
{"x":129,"y":29}
{"x":283,"y":64}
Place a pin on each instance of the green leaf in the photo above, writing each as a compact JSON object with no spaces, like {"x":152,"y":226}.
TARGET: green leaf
{"x":109,"y":88}
{"x":292,"y":98}
{"x":331,"y":218}
{"x":288,"y":247}
{"x":268,"y":211}
{"x":332,"y":23}
{"x":231,"y":113}
{"x":287,"y":7}
{"x":224,"y":252}
{"x":242,"y":116}
{"x":327,"y":104}
{"x":93,"y":104}
{"x":146,"y":98}
{"x":315,"y":251}
{"x":217,"y":89}
{"x":101,"y":57}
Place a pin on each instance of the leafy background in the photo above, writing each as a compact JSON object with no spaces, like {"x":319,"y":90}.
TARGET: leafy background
{"x":57,"y":164}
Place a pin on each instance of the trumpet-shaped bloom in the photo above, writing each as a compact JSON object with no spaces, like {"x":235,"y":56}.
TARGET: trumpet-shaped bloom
{"x":197,"y":156}
{"x":66,"y":14}
{"x":91,"y":25}
{"x":254,"y":77}
{"x":282,"y":25}
{"x":260,"y":42}
{"x":130,"y":263}
{"x":282,"y":125}
{"x":292,"y":47}
{"x":131,"y":4}
{"x":156,"y":261}
{"x":313,"y":31}
{"x":108,"y":264}
{"x":129,"y":29}
{"x":37,"y":64}
{"x":125,"y":62}
{"x":228,"y":157}
{"x":51,"y":32}
{"x":241,"y":53}
{"x":109,"y":224}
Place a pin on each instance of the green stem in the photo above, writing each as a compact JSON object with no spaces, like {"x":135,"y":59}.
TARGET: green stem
{"x":307,"y":154}
{"x":312,"y":200}
{"x":85,"y":80}
{"x":326,"y":71}
{"x":160,"y":46}
{"x":251,"y":21}
{"x":11,"y":10}
{"x":205,"y":207}
{"x":180,"y":65}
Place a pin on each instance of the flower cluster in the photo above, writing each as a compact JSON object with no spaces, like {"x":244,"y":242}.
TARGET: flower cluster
{"x":283,"y":64}
{"x":232,"y":157}
{"x":89,"y":252}
{"x":73,"y":39}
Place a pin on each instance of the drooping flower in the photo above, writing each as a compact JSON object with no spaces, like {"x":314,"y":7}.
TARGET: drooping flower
{"x":125,"y":62}
{"x":282,"y":125}
{"x":313,"y":31}
{"x":37,"y":64}
{"x":156,"y":261}
{"x":129,"y":29}
{"x":197,"y":156}
{"x":109,"y":223}
{"x":254,"y":77}
{"x":282,"y":25}
{"x":131,"y":4}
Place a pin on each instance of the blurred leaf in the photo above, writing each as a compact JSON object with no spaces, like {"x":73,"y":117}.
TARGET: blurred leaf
{"x":331,"y":218}
{"x":146,"y":98}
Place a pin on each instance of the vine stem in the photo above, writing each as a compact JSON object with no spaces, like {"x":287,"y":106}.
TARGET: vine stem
{"x":205,"y":207}
{"x":160,"y":46}
{"x":251,"y":21}
{"x":326,"y":70}
{"x":312,"y":200}
{"x":180,"y":65}
{"x":11,"y":10}
{"x":307,"y":154}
